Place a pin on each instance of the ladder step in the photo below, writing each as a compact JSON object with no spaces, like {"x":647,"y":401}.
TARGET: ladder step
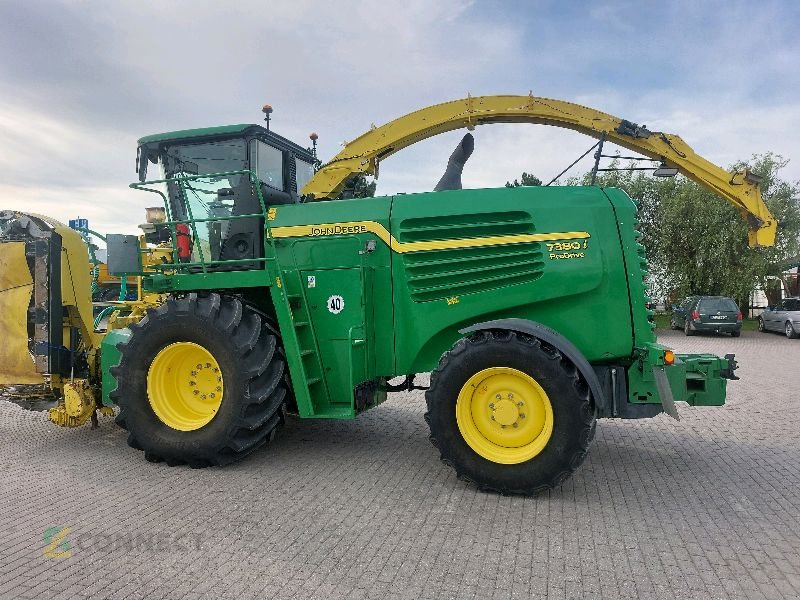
{"x":312,"y":380}
{"x":306,"y":352}
{"x":301,"y":323}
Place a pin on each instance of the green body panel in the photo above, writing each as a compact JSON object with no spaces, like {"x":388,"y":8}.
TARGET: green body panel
{"x":635,"y":266}
{"x":353,"y":343}
{"x":575,"y":292}
{"x":371,"y":288}
{"x":109,"y":358}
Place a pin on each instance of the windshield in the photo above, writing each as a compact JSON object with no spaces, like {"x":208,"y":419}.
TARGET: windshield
{"x":214,"y":199}
{"x":206,"y":196}
{"x":718,"y":304}
{"x":204,"y":159}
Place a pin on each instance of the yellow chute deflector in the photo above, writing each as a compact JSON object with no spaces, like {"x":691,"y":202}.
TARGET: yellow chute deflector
{"x":16,"y":287}
{"x":364,"y":153}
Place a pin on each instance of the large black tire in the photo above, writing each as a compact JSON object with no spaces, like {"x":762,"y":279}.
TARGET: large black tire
{"x":573,"y":417}
{"x":252,"y":365}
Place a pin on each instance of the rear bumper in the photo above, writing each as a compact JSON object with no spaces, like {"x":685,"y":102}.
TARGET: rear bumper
{"x":715,"y":327}
{"x":697,"y":379}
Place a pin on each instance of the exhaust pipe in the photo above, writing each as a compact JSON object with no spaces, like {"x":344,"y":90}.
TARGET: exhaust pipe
{"x":451,"y":180}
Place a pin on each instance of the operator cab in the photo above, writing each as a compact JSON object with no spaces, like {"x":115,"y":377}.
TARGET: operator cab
{"x":209,"y":188}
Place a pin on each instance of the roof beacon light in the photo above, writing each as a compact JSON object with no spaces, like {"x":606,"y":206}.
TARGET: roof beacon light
{"x":267,"y":110}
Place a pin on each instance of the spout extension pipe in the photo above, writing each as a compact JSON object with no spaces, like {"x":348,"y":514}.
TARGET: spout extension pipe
{"x":451,"y":180}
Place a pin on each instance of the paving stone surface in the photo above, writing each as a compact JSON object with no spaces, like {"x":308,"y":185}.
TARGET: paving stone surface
{"x":708,"y":507}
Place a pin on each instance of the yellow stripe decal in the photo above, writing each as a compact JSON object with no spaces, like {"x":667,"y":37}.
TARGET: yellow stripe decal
{"x":356,"y":227}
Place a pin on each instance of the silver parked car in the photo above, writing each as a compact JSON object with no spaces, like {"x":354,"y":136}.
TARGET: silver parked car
{"x":784,"y":317}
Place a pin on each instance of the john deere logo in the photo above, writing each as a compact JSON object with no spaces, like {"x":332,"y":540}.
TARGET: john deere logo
{"x":57,"y":545}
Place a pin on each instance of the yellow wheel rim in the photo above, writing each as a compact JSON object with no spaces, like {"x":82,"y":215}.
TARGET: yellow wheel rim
{"x":504,"y":415}
{"x":184,"y":386}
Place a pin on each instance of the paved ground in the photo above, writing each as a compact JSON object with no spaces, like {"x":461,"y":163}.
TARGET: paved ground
{"x":705,"y":508}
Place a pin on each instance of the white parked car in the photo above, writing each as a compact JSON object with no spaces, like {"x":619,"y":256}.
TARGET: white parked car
{"x":784,"y":317}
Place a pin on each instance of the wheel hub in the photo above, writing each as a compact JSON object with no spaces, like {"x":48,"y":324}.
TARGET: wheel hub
{"x":504,"y":415}
{"x":185,"y":386}
{"x":505,"y":412}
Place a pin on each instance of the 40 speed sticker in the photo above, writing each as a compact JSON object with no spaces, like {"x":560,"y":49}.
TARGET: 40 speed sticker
{"x":335,"y":304}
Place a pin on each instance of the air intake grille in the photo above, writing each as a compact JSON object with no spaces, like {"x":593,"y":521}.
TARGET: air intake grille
{"x":438,"y":274}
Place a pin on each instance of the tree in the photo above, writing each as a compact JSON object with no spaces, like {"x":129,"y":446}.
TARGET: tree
{"x":358,"y":187}
{"x":526,"y":179}
{"x":697,"y":243}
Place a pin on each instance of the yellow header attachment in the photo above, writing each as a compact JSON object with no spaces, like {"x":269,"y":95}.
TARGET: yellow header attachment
{"x":364,"y":154}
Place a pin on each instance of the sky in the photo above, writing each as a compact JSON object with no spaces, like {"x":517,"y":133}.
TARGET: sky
{"x":81,"y":81}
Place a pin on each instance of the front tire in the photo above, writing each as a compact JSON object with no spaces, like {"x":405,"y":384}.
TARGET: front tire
{"x":509,"y":413}
{"x":789,"y":331}
{"x":761,"y":327}
{"x":200,"y":382}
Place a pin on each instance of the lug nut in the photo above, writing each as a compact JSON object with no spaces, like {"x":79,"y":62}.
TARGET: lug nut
{"x":515,"y":425}
{"x":199,"y":366}
{"x":208,"y":365}
{"x":192,"y":383}
{"x":492,"y":417}
{"x":219,"y":389}
{"x":203,"y":396}
{"x":519,"y":403}
{"x":196,"y":392}
{"x":510,"y":395}
{"x":497,"y":397}
{"x":194,"y":373}
{"x":521,"y":415}
{"x":491,"y":405}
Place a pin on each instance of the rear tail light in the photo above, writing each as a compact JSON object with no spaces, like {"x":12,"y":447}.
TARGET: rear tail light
{"x":739,"y":316}
{"x":695,"y":315}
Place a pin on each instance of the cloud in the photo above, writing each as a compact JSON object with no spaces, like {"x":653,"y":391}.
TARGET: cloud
{"x":78,"y":85}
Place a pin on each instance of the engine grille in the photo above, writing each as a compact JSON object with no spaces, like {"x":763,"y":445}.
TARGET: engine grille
{"x":438,"y":274}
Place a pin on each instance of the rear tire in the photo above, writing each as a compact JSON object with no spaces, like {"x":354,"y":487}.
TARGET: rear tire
{"x":736,"y":333}
{"x":157,"y":407}
{"x":507,"y":468}
{"x":687,"y":330}
{"x":789,"y":331}
{"x":761,"y":327}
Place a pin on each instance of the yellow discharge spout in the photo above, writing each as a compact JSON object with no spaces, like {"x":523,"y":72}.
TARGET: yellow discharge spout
{"x":16,"y":287}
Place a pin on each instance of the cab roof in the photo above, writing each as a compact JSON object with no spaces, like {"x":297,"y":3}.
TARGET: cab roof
{"x":223,"y":131}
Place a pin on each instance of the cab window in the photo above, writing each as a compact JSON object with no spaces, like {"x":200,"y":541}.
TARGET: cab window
{"x":267,"y":163}
{"x":305,"y":171}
